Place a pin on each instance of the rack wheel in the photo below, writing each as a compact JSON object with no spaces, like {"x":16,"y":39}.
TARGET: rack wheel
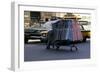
{"x":74,"y":48}
{"x":57,"y":47}
{"x":47,"y":48}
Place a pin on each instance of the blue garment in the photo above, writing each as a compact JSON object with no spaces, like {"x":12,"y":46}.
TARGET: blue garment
{"x":69,"y":35}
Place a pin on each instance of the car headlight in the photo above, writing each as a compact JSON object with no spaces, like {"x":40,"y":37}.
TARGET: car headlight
{"x":44,"y":33}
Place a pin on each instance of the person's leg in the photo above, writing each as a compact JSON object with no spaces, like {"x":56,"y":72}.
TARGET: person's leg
{"x":48,"y":45}
{"x":49,"y":35}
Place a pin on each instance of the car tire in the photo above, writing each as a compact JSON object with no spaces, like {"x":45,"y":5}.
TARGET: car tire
{"x":26,"y":40}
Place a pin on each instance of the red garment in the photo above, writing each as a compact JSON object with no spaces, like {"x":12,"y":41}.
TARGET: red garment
{"x":77,"y":35}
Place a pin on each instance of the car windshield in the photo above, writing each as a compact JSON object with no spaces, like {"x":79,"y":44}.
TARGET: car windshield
{"x":86,"y":27}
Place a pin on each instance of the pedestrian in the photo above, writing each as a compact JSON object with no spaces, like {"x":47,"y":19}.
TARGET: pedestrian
{"x":48,"y":26}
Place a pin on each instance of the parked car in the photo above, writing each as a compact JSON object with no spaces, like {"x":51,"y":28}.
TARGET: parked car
{"x":34,"y":33}
{"x":85,"y":29}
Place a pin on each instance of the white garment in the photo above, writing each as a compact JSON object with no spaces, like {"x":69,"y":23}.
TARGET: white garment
{"x":48,"y":25}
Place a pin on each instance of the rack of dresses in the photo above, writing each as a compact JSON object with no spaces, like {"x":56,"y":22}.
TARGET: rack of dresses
{"x":67,"y":30}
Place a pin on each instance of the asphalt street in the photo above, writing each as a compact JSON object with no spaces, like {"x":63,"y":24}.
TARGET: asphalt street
{"x":37,"y":52}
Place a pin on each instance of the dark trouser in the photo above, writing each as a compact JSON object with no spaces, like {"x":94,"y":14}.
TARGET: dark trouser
{"x":50,"y":39}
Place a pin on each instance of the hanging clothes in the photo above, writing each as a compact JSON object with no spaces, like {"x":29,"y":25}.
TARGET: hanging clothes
{"x":67,"y":30}
{"x":60,"y":29}
{"x":77,"y":35}
{"x":73,"y":31}
{"x":69,"y":34}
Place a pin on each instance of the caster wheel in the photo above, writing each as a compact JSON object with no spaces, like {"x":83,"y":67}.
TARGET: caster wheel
{"x":74,"y":48}
{"x":47,"y":48}
{"x":57,"y":47}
